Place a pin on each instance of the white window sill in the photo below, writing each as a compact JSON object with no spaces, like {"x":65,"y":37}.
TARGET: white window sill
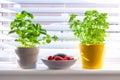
{"x":10,"y":71}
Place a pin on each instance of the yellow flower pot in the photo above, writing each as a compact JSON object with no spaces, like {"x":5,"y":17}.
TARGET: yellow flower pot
{"x":92,"y":55}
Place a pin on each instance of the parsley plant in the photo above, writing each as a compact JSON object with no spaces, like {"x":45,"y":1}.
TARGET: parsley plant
{"x":92,"y":30}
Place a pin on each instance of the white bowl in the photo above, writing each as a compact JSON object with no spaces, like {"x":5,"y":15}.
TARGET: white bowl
{"x":58,"y":64}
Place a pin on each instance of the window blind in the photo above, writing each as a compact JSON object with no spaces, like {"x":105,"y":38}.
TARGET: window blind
{"x":53,"y":15}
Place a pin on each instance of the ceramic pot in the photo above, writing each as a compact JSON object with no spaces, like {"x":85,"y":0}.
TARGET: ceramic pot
{"x":27,"y":57}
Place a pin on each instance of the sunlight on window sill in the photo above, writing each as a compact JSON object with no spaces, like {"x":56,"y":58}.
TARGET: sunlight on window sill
{"x":110,"y":71}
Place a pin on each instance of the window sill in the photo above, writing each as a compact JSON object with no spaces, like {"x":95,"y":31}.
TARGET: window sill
{"x":110,"y":71}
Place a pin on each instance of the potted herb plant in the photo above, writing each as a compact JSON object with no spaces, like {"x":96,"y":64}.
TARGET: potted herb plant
{"x":30,"y":36}
{"x":91,"y":32}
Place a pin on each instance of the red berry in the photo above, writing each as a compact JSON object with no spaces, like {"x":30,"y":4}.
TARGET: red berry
{"x":68,"y":58}
{"x":58,"y":58}
{"x":50,"y":57}
{"x":65,"y":58}
{"x":72,"y":58}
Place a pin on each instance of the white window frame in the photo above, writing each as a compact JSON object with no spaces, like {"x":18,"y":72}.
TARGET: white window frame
{"x":10,"y":71}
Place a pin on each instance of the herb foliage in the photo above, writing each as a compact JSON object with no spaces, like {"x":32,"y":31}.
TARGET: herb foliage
{"x":29,"y":32}
{"x":92,"y":30}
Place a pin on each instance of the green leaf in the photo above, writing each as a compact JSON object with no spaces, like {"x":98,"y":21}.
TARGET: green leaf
{"x":48,"y":40}
{"x":72,"y":17}
{"x":30,"y":15}
{"x":12,"y":31}
{"x":12,"y":25}
{"x":28,"y":21}
{"x":55,"y":38}
{"x":18,"y":16}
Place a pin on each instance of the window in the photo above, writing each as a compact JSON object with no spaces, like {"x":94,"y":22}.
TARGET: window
{"x":53,"y":15}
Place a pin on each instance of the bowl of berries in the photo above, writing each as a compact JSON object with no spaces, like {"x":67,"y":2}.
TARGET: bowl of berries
{"x":59,"y":61}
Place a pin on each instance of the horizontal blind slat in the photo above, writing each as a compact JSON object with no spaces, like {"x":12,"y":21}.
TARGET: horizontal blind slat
{"x":59,"y":45}
{"x":63,"y":1}
{"x":111,"y":20}
{"x":65,"y":9}
{"x":7,"y":10}
{"x":60,"y":27}
{"x":64,"y":36}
